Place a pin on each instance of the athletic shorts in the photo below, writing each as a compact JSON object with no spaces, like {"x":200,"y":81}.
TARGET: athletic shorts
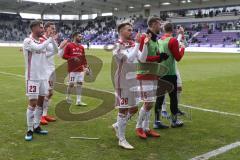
{"x":179,"y":79}
{"x":147,"y":90}
{"x":75,"y":77}
{"x":124,"y":98}
{"x":51,"y":79}
{"x":35,"y":88}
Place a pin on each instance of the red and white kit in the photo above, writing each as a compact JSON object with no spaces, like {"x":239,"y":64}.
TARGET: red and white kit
{"x":126,"y":55}
{"x":36,"y":66}
{"x":75,"y":68}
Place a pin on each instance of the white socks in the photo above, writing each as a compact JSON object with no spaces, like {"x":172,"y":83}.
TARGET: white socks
{"x":164,"y":105}
{"x":141,"y":117}
{"x":45,"y":106}
{"x":179,"y":96}
{"x":129,"y":115}
{"x":30,"y":117}
{"x":69,"y":90}
{"x":146,"y":121}
{"x":79,"y":92}
{"x":121,"y":122}
{"x":37,"y":116}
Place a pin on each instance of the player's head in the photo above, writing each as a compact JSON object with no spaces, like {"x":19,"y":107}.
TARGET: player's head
{"x":36,"y":27}
{"x":154,"y":24}
{"x":168,"y":27}
{"x":125,"y":30}
{"x":77,"y":37}
{"x":49,"y":28}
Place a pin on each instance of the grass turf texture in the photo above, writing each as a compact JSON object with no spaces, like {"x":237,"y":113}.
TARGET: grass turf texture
{"x":209,"y":81}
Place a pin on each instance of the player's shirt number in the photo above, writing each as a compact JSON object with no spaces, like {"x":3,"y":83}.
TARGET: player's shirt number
{"x":33,"y":87}
{"x":124,"y":101}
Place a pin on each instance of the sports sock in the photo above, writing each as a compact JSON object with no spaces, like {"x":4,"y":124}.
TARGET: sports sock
{"x":79,"y":92}
{"x":45,"y":106}
{"x":37,"y":116}
{"x":122,"y":122}
{"x":141,"y":117}
{"x":146,"y":121}
{"x":30,"y":117}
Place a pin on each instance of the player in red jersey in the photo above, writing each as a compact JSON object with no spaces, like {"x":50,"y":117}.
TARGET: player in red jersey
{"x":77,"y":66}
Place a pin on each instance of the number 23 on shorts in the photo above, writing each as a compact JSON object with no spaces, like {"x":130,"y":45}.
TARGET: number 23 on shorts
{"x":33,"y":87}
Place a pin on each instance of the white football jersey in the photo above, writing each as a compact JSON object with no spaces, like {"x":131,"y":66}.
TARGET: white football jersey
{"x":126,"y":58}
{"x":36,"y":62}
{"x":50,"y":52}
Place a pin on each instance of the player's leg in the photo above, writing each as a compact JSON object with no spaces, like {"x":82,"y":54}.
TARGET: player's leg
{"x":39,"y":108}
{"x":45,"y":117}
{"x":148,"y":96}
{"x":79,"y":82}
{"x":30,"y":118}
{"x":122,"y":123}
{"x":179,"y":91}
{"x":71,"y":82}
{"x":46,"y":103}
{"x":122,"y":102}
{"x":175,"y":122}
{"x":158,"y":108}
{"x":142,"y":128}
{"x":32,"y":92}
{"x":164,"y":112}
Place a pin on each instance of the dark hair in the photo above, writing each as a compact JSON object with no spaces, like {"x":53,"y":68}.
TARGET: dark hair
{"x":48,"y":24}
{"x":35,"y":23}
{"x":74,"y":34}
{"x":152,"y":20}
{"x":168,"y":27}
{"x":120,"y":26}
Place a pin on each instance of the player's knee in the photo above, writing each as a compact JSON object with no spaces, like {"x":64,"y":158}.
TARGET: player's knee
{"x":123,"y":111}
{"x":33,"y":102}
{"x":148,"y":106}
{"x":133,"y":110}
{"x":71,"y":85}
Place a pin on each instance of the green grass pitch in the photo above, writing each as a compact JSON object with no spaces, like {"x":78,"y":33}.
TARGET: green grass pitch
{"x":209,"y":81}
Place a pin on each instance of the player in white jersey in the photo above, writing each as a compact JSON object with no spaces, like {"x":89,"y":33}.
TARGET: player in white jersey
{"x":50,"y":29}
{"x":36,"y":77}
{"x":126,"y":54}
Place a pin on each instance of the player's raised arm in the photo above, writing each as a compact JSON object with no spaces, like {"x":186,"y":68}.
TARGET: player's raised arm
{"x":29,"y":44}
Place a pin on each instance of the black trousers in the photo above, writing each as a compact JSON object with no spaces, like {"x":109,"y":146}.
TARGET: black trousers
{"x":172,"y":79}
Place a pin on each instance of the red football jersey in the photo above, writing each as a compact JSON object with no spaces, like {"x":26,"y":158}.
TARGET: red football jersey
{"x":75,"y":50}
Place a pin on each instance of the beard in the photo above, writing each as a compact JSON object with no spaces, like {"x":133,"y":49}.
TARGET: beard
{"x":40,"y":34}
{"x":78,"y":40}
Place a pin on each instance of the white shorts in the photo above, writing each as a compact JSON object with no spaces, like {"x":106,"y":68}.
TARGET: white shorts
{"x":147,"y":90}
{"x":51,"y":79}
{"x":35,"y":88}
{"x":75,"y":77}
{"x":179,"y":79}
{"x":124,"y":98}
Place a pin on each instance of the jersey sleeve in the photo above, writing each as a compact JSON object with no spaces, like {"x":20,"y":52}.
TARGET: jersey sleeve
{"x":30,"y":45}
{"x":84,"y":58}
{"x":174,"y":48}
{"x":66,"y":54}
{"x":55,"y":49}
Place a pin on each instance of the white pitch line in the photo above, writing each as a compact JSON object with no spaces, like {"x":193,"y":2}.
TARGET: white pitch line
{"x":12,"y":74}
{"x":209,"y":110}
{"x":183,"y":105}
{"x":216,"y":152}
